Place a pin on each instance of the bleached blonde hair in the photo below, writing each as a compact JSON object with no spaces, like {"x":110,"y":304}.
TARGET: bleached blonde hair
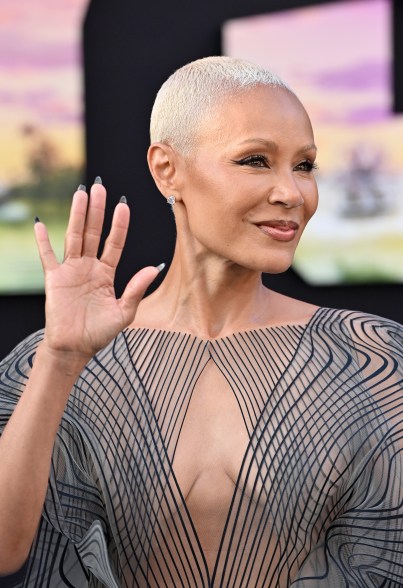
{"x":192,"y":91}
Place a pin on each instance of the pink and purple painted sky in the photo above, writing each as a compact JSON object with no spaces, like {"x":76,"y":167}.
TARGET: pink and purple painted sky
{"x":341,"y":51}
{"x":337,"y":58}
{"x":40,"y":72}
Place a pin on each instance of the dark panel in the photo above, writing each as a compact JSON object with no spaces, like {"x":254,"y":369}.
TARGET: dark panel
{"x":20,"y":315}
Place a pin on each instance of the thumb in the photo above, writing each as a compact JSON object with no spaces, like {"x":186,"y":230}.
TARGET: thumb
{"x":136,"y":289}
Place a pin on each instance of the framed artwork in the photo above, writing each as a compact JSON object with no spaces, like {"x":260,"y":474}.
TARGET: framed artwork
{"x":338,"y":59}
{"x":41,"y":117}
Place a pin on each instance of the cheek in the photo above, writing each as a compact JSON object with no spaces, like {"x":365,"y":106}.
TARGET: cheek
{"x":213,"y":198}
{"x":311,"y":200}
{"x":215,"y":218}
{"x":200,"y":187}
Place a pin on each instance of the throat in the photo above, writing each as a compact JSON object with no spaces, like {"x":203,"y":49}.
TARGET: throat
{"x":205,"y":312}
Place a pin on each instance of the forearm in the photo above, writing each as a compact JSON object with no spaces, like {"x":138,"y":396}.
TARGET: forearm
{"x":84,"y":315}
{"x":26,"y":450}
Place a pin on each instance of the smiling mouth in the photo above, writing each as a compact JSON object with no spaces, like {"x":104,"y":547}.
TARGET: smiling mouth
{"x":279,"y":230}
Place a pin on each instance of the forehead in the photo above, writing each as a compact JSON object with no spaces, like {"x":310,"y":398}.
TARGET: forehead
{"x":272,"y":113}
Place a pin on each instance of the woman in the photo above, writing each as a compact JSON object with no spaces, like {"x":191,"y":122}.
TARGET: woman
{"x":215,"y":433}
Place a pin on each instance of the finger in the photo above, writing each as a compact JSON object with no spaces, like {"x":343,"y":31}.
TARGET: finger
{"x":73,"y":241}
{"x":116,"y":239}
{"x":94,"y":220}
{"x":135,"y":291}
{"x":46,"y":253}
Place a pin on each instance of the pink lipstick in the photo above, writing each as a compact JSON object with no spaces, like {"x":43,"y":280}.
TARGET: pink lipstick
{"x":280,"y":230}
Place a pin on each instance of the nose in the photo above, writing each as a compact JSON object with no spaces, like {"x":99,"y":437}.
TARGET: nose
{"x":285,"y":191}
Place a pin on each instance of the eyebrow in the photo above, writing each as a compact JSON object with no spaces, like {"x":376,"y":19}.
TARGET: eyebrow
{"x":274,"y":146}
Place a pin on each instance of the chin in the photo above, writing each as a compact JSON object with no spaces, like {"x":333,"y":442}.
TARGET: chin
{"x":274,"y":259}
{"x":275,"y":270}
{"x":265,"y":268}
{"x":275,"y":265}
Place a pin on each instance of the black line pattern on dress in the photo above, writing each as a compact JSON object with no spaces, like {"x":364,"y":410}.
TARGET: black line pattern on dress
{"x":319,"y":496}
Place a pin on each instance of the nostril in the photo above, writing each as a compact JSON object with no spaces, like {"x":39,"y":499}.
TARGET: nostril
{"x":290,"y":205}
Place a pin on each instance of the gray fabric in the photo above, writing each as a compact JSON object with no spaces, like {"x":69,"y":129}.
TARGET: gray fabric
{"x":319,"y":496}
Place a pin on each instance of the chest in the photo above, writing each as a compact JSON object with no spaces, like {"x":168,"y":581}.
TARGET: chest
{"x":226,"y":421}
{"x":226,"y":457}
{"x":207,"y":461}
{"x":212,"y":441}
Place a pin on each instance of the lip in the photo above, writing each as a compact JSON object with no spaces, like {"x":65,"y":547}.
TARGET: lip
{"x":279,"y":230}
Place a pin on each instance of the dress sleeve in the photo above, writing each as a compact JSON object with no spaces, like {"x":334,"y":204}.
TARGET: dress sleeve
{"x":364,"y":543}
{"x":72,"y":539}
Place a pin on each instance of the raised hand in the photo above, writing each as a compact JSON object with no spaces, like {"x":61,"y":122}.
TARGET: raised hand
{"x":82,"y":312}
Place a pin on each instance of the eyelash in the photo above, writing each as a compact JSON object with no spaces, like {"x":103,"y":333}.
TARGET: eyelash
{"x":261,"y":160}
{"x":309,"y":165}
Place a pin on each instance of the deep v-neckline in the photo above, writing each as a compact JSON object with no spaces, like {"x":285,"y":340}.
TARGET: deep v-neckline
{"x":213,"y":346}
{"x":329,"y":445}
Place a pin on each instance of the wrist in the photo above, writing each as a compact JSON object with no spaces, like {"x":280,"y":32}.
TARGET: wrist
{"x":66,"y":362}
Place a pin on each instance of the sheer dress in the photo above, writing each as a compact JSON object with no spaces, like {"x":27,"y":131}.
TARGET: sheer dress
{"x":268,"y":458}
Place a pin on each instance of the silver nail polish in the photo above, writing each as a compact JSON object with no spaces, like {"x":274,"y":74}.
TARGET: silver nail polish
{"x":160,"y":267}
{"x":123,"y":199}
{"x":81,"y":187}
{"x":98,"y":180}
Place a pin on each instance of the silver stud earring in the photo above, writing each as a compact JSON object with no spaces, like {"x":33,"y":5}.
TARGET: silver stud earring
{"x":171,"y":200}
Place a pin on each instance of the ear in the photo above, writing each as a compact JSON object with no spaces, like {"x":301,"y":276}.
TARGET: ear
{"x":162,"y":161}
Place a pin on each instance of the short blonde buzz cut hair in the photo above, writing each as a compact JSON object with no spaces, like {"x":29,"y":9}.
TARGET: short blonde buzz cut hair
{"x":191,"y":91}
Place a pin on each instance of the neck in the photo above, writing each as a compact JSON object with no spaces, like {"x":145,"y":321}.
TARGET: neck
{"x":206,"y":295}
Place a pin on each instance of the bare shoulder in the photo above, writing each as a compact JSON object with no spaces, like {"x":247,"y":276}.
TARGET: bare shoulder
{"x":288,"y":310}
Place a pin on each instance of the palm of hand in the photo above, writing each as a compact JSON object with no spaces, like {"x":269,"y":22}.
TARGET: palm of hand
{"x":82,"y":312}
{"x":81,"y":300}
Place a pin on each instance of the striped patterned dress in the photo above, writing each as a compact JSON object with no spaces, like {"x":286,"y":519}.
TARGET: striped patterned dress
{"x":310,"y":460}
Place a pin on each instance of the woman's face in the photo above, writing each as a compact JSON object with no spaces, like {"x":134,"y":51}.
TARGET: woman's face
{"x":248,"y":188}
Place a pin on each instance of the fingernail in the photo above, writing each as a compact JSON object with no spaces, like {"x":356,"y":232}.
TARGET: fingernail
{"x":37,"y":219}
{"x":160,"y":267}
{"x":98,"y":180}
{"x":81,"y":187}
{"x":123,"y":199}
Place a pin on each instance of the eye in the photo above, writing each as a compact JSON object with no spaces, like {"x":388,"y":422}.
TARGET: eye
{"x":253,"y":161}
{"x":306,"y":166}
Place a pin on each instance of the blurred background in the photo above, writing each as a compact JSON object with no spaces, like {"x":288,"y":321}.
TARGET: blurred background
{"x":42,"y":123}
{"x":78,"y":80}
